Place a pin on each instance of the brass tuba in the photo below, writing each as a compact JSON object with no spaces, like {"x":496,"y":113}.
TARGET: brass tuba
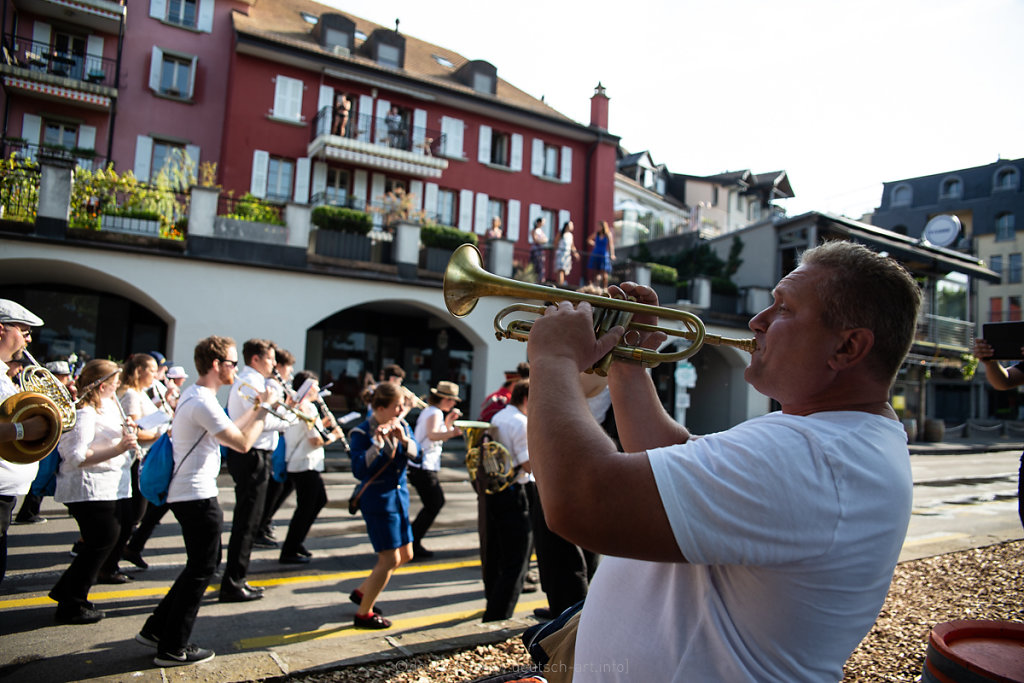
{"x":489,"y":463}
{"x":42,"y":395}
{"x":465,"y":281}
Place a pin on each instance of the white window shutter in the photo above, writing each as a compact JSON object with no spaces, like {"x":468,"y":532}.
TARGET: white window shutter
{"x":192,"y":78}
{"x":380,"y":126}
{"x":87,"y":137}
{"x":484,"y":147}
{"x":457,"y":129}
{"x":563,"y":218}
{"x":512,"y":227}
{"x":158,"y":9}
{"x":416,"y":190}
{"x":41,"y":35}
{"x":302,"y":180}
{"x":192,"y":152}
{"x":430,"y":200}
{"x":566,"y":175}
{"x":260,"y":162}
{"x":287,"y":98}
{"x":419,"y":130}
{"x":324,"y":109}
{"x":377,"y":181}
{"x":143,"y":156}
{"x":466,"y":210}
{"x":93,"y":54}
{"x":537,"y":158}
{"x":516,"y":157}
{"x":155,"y":64}
{"x":363,"y":118}
{"x":534,"y":214}
{"x":319,"y":180}
{"x":446,"y":137}
{"x":204,"y":20}
{"x":480,"y":221}
{"x":31,"y":128}
{"x":359,"y":179}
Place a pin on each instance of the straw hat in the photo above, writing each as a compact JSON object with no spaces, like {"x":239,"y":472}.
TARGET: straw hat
{"x":447,"y":390}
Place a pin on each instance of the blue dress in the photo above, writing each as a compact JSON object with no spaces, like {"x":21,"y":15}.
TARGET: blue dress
{"x":385,"y":502}
{"x":600,"y":259}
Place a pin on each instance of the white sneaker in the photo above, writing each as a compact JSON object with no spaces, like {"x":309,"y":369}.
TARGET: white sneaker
{"x":147,"y":639}
{"x":190,"y":654}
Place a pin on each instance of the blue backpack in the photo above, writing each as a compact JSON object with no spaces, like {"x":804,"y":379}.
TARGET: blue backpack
{"x":157,"y":470}
{"x":279,"y":463}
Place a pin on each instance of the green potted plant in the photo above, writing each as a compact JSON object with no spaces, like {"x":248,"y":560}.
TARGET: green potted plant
{"x":439,"y":241}
{"x":342,"y":233}
{"x":663,"y":282}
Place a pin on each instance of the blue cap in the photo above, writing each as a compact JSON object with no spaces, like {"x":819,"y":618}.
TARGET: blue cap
{"x":161,"y":362}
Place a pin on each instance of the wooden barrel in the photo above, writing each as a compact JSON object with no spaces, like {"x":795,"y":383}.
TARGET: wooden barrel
{"x":975,"y":652}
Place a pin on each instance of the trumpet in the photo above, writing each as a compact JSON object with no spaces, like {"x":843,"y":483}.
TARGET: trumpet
{"x":466,"y":281}
{"x":271,"y":407}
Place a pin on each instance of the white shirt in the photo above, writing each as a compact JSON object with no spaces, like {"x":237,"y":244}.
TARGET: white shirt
{"x":300,"y":455}
{"x":139,"y":403}
{"x":238,"y":404}
{"x":792,"y":527}
{"x":15,"y":478}
{"x":508,"y":427}
{"x":107,"y":480}
{"x":430,"y":420}
{"x":197,"y":419}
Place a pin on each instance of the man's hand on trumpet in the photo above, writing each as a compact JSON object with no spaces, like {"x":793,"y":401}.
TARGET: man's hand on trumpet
{"x":567,"y":332}
{"x":644,"y":295}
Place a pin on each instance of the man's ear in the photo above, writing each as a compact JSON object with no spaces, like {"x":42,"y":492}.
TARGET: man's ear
{"x":855,"y":344}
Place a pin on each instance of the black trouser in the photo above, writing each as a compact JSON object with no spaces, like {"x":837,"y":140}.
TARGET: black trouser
{"x":125,"y":511}
{"x":277,"y":492}
{"x":6,"y":510}
{"x":565,"y":569}
{"x":310,"y":498}
{"x":172,"y":620}
{"x":100,"y":529}
{"x":506,"y":550}
{"x":150,"y":520}
{"x":250,"y":472}
{"x":428,"y":487}
{"x":29,"y":509}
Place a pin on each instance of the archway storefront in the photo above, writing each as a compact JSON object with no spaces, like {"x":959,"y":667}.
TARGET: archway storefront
{"x":351,"y":347}
{"x":87,"y":322}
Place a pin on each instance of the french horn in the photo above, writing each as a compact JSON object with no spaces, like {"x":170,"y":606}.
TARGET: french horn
{"x":488,"y":462}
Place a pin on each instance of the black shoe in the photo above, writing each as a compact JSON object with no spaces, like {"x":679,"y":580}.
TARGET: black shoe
{"x":146,"y":638}
{"x":264,"y":542}
{"x":115,"y":578}
{"x":293,"y":558}
{"x":135,"y":557}
{"x":240,"y":595}
{"x":190,"y":654}
{"x":35,"y":519}
{"x":255,"y":589}
{"x":529,"y":588}
{"x":372,"y":620}
{"x":544,"y":614}
{"x":82,"y":615}
{"x":76,"y":548}
{"x":302,"y":551}
{"x":357,"y":598}
{"x":421,"y":553}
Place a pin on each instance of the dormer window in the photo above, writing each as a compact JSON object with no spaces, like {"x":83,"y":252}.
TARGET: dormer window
{"x":902,"y":195}
{"x":1007,"y":178}
{"x":389,"y":55}
{"x":479,"y":75}
{"x":386,"y":47}
{"x":336,"y":33}
{"x":952,"y":188}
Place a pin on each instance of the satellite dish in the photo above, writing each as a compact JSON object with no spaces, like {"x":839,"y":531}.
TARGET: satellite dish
{"x":942,"y":230}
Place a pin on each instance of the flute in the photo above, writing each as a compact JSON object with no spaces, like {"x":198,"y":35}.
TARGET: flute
{"x":137,"y":449}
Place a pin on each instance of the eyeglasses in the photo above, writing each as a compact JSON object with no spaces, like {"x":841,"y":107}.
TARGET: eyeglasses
{"x":229,"y":363}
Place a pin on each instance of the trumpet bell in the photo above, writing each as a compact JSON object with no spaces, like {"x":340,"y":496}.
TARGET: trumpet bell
{"x":20,"y":407}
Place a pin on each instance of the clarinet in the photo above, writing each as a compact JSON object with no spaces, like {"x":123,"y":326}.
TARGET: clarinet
{"x":326,"y":413}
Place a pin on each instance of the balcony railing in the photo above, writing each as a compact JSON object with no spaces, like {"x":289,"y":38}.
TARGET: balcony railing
{"x":83,"y":158}
{"x":374,"y":130}
{"x":942,"y":332}
{"x":42,"y":58}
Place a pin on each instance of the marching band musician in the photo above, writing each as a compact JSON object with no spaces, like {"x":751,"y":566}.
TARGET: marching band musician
{"x":16,"y":323}
{"x":277,"y":491}
{"x":250,"y":470}
{"x":94,"y":482}
{"x":507,"y":536}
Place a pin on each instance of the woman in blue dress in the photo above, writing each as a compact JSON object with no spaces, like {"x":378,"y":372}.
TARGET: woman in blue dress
{"x":602,"y":253}
{"x":381,"y":447}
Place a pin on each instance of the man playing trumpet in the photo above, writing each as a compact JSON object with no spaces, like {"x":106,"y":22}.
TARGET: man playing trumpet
{"x":763,"y":552}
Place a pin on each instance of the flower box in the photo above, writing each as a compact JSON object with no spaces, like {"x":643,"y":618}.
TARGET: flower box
{"x":131,"y":226}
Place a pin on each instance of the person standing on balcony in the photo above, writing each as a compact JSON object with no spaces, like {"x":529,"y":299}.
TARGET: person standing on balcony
{"x":1004,"y":378}
{"x":565,"y":254}
{"x":396,"y":128}
{"x":342,"y":111}
{"x":538,"y":250}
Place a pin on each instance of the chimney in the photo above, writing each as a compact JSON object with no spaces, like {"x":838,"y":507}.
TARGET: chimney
{"x":599,"y":108}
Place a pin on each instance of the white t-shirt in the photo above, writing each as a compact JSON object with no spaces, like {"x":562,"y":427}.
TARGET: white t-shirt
{"x":107,"y":480}
{"x":431,"y":450}
{"x":300,"y":455}
{"x":792,"y":527}
{"x":238,"y":404}
{"x":198,"y":415}
{"x":15,"y":478}
{"x":508,"y":427}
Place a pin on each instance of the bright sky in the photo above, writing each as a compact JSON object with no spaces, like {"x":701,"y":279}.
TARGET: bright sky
{"x":841,"y":95}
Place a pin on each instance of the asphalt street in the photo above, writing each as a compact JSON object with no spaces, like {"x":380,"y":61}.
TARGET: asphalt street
{"x":964,"y":497}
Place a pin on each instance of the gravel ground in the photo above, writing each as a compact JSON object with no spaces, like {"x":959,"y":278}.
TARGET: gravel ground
{"x":984,"y":583}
